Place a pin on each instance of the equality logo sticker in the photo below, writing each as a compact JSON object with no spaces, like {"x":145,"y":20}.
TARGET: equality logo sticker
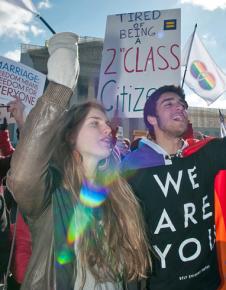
{"x":170,"y":24}
{"x":205,"y":79}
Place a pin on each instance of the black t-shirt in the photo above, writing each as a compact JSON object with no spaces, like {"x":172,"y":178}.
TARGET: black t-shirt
{"x":178,"y":204}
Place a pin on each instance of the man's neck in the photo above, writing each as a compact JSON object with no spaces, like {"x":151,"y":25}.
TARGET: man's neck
{"x":170,"y":144}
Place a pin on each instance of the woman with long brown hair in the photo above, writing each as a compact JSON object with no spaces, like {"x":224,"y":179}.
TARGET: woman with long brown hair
{"x":86,"y":224}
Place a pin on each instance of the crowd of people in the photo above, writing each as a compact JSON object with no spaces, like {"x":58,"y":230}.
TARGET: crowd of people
{"x":99,"y":213}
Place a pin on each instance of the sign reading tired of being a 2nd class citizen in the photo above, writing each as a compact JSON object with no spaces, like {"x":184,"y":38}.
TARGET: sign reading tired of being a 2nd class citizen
{"x":141,"y":53}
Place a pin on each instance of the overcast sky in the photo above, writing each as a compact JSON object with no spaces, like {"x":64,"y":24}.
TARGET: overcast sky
{"x":88,"y":18}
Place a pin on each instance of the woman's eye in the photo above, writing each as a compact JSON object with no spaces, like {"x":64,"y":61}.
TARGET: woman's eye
{"x":94,"y":123}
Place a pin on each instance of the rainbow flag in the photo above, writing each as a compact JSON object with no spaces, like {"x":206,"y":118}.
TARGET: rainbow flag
{"x":203,"y":76}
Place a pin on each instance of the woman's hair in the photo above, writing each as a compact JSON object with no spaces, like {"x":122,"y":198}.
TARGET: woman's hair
{"x":116,"y":244}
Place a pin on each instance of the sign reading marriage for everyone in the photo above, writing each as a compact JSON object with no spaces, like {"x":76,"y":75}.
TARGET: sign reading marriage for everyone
{"x":20,"y":81}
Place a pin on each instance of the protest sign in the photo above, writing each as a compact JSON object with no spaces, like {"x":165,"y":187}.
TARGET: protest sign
{"x":20,"y":81}
{"x":141,"y":53}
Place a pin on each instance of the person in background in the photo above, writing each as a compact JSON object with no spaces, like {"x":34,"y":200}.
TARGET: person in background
{"x":6,"y":151}
{"x":177,"y":195}
{"x":65,"y":181}
{"x":22,"y":246}
{"x":123,"y":146}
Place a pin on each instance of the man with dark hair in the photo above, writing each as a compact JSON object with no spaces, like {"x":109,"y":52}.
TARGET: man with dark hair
{"x":150,"y":105}
{"x":165,"y":116}
{"x":176,"y":195}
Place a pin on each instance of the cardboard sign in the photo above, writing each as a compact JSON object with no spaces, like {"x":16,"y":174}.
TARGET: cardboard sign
{"x":141,"y":53}
{"x":20,"y":81}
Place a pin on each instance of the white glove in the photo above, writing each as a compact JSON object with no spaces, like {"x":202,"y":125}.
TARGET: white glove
{"x":63,"y":63}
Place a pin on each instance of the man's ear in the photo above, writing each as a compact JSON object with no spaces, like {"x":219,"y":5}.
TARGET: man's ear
{"x":152,"y":120}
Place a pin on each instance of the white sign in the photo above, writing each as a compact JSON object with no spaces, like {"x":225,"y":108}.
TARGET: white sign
{"x":141,"y":53}
{"x":20,"y":81}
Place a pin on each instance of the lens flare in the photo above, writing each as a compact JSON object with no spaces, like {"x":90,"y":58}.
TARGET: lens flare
{"x":65,"y":255}
{"x":91,"y":198}
{"x":92,"y":195}
{"x":81,"y":220}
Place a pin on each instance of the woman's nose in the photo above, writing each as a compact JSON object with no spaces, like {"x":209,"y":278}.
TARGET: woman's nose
{"x":107,"y":129}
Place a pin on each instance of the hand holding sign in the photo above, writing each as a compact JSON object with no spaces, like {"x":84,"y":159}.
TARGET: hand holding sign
{"x":16,"y":108}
